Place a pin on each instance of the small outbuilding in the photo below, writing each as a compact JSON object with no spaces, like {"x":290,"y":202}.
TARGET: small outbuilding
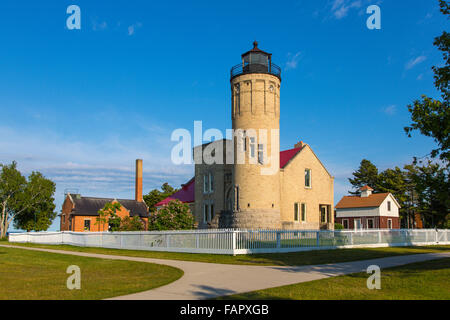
{"x":368,"y":211}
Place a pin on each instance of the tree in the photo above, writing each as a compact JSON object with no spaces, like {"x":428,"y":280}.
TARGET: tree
{"x":430,"y":116}
{"x":432,"y":186}
{"x":155,"y":196}
{"x":108,"y":215}
{"x":21,"y":198}
{"x":173,"y":216}
{"x":367,"y":174}
{"x":131,"y":224}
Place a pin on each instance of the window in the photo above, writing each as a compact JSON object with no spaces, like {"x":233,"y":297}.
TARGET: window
{"x":205,"y":212}
{"x":345,"y":223}
{"x":261,"y":153}
{"x":64,"y":219}
{"x":304,"y":212}
{"x":211,"y":208}
{"x":370,"y":224}
{"x":323,"y":214}
{"x":211,"y":182}
{"x":307,"y":178}
{"x":358,"y":224}
{"x":389,"y":223}
{"x":87,"y":225}
{"x":252,"y":146}
{"x":205,"y":183}
{"x":244,"y":141}
{"x":389,"y":205}
{"x":295,"y":211}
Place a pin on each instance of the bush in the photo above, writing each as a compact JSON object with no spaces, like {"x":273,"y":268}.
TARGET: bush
{"x":173,"y":216}
{"x":131,"y":224}
{"x":338,"y":226}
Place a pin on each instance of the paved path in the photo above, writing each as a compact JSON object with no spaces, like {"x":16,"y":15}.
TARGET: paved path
{"x":208,"y":280}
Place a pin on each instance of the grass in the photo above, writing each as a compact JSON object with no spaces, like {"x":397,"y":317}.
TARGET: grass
{"x":429,"y":280}
{"x":26,"y":275}
{"x":270,"y":259}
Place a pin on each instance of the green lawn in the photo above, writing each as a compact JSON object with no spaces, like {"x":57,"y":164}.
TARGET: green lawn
{"x":26,"y":275}
{"x":416,"y":281}
{"x":271,"y":259}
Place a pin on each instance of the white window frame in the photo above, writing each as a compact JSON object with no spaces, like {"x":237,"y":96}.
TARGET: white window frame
{"x":205,"y":183}
{"x":205,"y":212}
{"x":252,"y":146}
{"x":389,"y":223}
{"x":389,"y":206}
{"x":348,"y":224}
{"x":303,"y":205}
{"x":211,"y":182}
{"x":360,"y":224}
{"x":261,"y":153}
{"x":310,"y":178}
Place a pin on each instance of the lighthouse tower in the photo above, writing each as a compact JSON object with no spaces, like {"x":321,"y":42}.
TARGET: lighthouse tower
{"x":255,"y":112}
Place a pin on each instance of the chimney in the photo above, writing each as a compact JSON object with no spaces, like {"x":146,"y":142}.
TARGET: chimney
{"x":299,"y":145}
{"x":139,"y":180}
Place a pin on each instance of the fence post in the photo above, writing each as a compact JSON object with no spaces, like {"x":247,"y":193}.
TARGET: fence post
{"x":234,"y":242}
{"x":318,"y":238}
{"x":351,"y":238}
{"x":278,"y":239}
{"x":436,"y":236}
{"x":168,"y":240}
{"x":379,"y":236}
{"x":197,"y":240}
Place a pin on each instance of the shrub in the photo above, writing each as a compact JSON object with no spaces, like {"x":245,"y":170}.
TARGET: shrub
{"x":132,"y":224}
{"x":338,"y":226}
{"x":173,"y":216}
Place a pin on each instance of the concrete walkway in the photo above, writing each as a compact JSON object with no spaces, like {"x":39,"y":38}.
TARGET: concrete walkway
{"x":209,"y":280}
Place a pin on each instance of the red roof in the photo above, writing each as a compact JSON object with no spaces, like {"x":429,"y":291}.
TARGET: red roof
{"x":287,"y":155}
{"x":366,"y":188}
{"x":186,"y":194}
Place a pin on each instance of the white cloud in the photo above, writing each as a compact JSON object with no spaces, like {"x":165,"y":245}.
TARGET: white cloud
{"x":132,"y":29}
{"x":293,"y":60}
{"x":390,"y":110}
{"x":99,"y":26}
{"x":414,"y":62}
{"x":341,"y":8}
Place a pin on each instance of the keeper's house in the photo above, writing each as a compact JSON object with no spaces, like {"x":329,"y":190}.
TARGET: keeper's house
{"x":368,"y":211}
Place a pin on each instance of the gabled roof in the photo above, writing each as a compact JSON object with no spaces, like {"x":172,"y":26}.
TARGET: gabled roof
{"x":374,"y":200}
{"x":186,"y":194}
{"x":365,"y":188}
{"x":89,"y":206}
{"x":287,"y":155}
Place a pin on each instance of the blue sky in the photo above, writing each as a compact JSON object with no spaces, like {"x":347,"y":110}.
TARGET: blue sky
{"x":82,"y":105}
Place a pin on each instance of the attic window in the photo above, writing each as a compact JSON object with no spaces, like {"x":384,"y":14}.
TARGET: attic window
{"x":389,"y":205}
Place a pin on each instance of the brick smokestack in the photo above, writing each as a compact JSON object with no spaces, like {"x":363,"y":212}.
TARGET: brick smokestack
{"x":139,"y":180}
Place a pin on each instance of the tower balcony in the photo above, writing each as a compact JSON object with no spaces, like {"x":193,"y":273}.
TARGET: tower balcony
{"x":268,"y":68}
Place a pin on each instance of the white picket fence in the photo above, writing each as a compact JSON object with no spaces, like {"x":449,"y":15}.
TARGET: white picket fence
{"x":231,"y":241}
